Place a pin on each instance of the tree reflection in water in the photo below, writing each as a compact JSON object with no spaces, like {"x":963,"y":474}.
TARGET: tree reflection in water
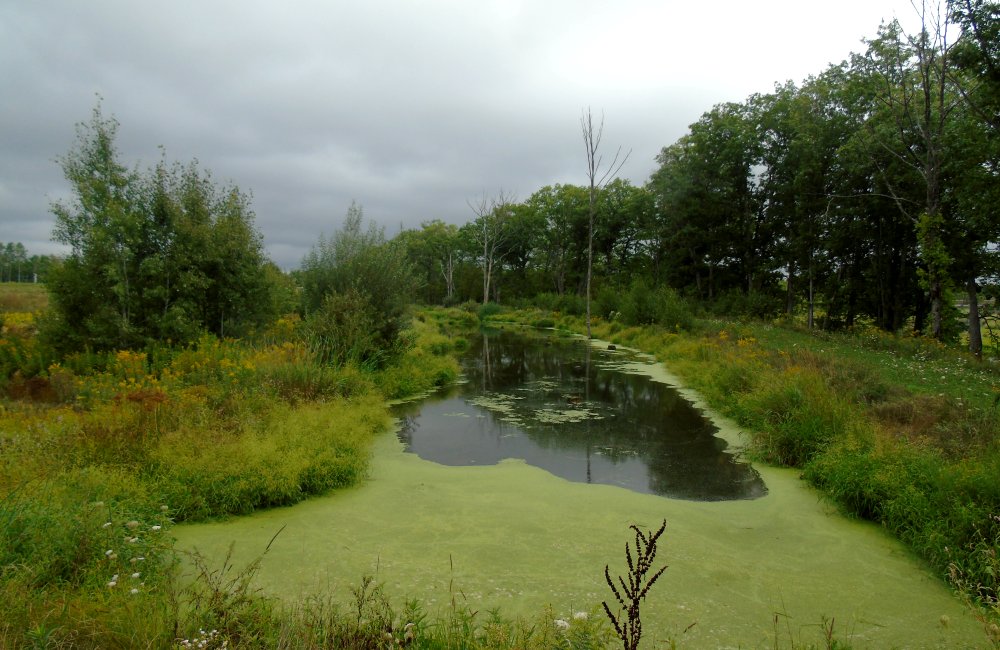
{"x":562,"y":406}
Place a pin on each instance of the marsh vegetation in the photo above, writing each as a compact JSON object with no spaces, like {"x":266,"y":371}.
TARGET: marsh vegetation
{"x":794,"y":260}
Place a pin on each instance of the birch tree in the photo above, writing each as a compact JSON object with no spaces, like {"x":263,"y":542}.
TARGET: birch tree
{"x":490,"y":232}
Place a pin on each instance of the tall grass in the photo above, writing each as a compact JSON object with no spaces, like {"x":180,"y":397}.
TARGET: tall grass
{"x":100,"y":453}
{"x":23,"y":297}
{"x":897,"y":430}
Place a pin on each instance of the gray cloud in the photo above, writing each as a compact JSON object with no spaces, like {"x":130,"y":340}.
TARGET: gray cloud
{"x":409,"y":108}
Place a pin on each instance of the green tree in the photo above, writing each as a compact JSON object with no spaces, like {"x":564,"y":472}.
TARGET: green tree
{"x":562,"y":212}
{"x":976,"y":56}
{"x":914,"y":103}
{"x":163,"y":255}
{"x":357,"y":268}
{"x":435,"y":251}
{"x":708,"y":205}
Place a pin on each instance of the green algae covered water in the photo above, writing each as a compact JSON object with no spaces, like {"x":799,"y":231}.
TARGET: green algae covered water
{"x":761,"y":568}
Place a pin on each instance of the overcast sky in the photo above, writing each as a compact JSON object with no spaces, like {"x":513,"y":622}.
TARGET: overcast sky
{"x":410,"y":108}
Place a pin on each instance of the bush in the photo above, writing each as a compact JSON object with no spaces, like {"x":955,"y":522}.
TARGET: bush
{"x":488,"y":310}
{"x":367,"y":272}
{"x":342,"y":330}
{"x":607,"y":301}
{"x":643,"y":305}
{"x":736,"y":304}
{"x":567,"y":303}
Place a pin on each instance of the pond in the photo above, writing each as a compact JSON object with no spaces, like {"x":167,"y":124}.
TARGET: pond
{"x":746,"y":567}
{"x":560,"y":404}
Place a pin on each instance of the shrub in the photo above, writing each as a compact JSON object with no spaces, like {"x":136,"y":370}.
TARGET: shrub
{"x":342,"y":330}
{"x":366,"y":270}
{"x":607,"y":301}
{"x":736,"y":304}
{"x":488,"y":310}
{"x":673,"y":311}
{"x":644,"y":305}
{"x":567,"y":303}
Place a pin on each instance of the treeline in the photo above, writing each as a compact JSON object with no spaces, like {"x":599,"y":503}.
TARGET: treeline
{"x":17,"y":266}
{"x":162,"y":254}
{"x":871,"y":190}
{"x":868,"y":192}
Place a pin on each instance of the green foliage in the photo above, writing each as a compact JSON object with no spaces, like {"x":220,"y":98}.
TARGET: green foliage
{"x":796,"y":418}
{"x":357,"y":286}
{"x":853,"y":412}
{"x":736,"y":305}
{"x":342,"y":330}
{"x":155,"y":256}
{"x":643,"y":305}
{"x":569,"y":303}
{"x":488,"y":311}
{"x":103,"y":452}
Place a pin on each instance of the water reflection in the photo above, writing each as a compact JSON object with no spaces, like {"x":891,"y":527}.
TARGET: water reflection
{"x":562,"y":406}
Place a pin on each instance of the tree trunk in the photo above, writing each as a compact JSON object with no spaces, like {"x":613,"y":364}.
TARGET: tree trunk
{"x":590,"y":255}
{"x":812,"y":301}
{"x":936,"y":308}
{"x":975,"y":332}
{"x":789,"y":291}
{"x":486,"y":268}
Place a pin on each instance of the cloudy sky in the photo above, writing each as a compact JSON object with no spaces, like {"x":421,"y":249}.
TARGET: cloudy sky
{"x":409,"y":107}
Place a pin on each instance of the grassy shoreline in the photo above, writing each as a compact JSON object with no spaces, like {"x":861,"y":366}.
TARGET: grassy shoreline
{"x":101,"y":454}
{"x":900,"y":431}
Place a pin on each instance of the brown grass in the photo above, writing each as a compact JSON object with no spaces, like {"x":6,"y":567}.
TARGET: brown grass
{"x":23,"y":297}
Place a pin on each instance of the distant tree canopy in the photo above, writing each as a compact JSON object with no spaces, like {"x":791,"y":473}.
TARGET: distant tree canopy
{"x":870,"y":191}
{"x":17,"y":266}
{"x":159,"y":255}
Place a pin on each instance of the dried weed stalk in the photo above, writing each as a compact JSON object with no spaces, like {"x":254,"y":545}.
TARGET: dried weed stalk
{"x":629,"y":594}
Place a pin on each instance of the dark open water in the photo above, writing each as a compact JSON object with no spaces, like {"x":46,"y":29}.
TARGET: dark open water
{"x":561,"y":405}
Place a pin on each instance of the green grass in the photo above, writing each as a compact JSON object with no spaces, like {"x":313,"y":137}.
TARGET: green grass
{"x":100,"y":454}
{"x":898,"y":430}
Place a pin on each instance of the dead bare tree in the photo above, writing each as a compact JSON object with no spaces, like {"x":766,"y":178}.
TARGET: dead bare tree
{"x":491,"y":232}
{"x":598,"y":177}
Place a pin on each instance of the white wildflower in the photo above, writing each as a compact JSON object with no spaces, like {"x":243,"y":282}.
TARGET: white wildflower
{"x":135,"y":576}
{"x":107,"y":524}
{"x":156,"y":528}
{"x":561,"y":624}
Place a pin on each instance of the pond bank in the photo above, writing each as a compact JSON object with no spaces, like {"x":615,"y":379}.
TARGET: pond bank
{"x":742,"y":573}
